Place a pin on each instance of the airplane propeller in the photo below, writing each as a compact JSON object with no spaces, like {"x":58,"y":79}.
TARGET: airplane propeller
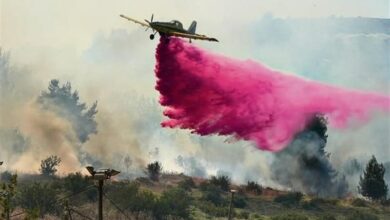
{"x":151,"y":20}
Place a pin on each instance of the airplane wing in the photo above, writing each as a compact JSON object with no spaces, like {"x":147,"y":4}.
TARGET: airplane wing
{"x":135,"y":21}
{"x":193,"y":36}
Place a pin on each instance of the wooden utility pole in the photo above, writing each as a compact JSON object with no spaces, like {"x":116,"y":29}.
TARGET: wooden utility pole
{"x":101,"y":175}
{"x":100,"y":199}
{"x":231,"y":204}
{"x":68,"y":215}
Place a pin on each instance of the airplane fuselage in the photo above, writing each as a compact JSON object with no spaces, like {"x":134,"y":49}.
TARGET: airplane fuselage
{"x":166,"y":27}
{"x":172,"y":28}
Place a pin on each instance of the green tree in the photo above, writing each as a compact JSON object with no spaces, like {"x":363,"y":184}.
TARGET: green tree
{"x":7,"y":193}
{"x":48,"y":165}
{"x":254,"y":187}
{"x":222,"y":181}
{"x":153,"y":170}
{"x":372,"y":183}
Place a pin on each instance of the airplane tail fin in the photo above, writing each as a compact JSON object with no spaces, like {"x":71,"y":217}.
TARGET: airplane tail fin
{"x":192,"y":27}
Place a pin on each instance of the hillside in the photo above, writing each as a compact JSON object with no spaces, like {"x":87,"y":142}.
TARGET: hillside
{"x":175,"y":195}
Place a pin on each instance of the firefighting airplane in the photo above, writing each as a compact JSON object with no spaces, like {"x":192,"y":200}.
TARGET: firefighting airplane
{"x":173,"y":28}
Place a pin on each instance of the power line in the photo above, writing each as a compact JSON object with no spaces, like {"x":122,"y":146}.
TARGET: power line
{"x":80,"y":214}
{"x":116,"y":206}
{"x":76,"y":193}
{"x":60,"y":199}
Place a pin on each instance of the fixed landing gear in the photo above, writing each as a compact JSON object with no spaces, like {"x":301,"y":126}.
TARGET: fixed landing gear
{"x":151,"y":36}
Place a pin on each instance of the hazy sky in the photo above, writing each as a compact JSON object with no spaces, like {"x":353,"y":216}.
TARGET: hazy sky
{"x":48,"y":35}
{"x":73,"y":23}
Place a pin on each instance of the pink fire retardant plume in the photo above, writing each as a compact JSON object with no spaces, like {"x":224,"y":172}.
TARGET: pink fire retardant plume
{"x":213,"y":94}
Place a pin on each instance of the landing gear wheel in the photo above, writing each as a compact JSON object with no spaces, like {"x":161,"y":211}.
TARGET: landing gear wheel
{"x":151,"y":36}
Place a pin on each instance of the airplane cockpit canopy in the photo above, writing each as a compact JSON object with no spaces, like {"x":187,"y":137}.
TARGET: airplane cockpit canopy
{"x":177,"y":23}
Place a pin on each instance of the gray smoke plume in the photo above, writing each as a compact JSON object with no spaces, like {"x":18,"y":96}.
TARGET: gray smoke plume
{"x":191,"y":166}
{"x":352,"y":167}
{"x":305,"y":166}
{"x":13,"y":144}
{"x":387,"y":172}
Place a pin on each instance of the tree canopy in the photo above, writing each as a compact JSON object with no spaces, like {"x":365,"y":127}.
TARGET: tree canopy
{"x":372,"y":183}
{"x":48,"y":165}
{"x":66,"y":103}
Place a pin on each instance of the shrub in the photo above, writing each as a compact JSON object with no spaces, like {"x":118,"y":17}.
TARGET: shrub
{"x":174,"y":202}
{"x":154,"y":170}
{"x":7,"y":194}
{"x":187,"y":184}
{"x":145,"y":202}
{"x":254,"y":187}
{"x":386,"y":202}
{"x":314,"y":204}
{"x":124,"y":194}
{"x":222,"y":181}
{"x":292,"y":198}
{"x":257,"y":217}
{"x":359,"y":202}
{"x":290,"y":216}
{"x":318,"y":201}
{"x":310,"y":205}
{"x":40,"y":197}
{"x":360,"y":215}
{"x":213,"y":210}
{"x":243,"y":215}
{"x":327,"y":217}
{"x":75,"y":183}
{"x":212,"y":194}
{"x":239,"y":201}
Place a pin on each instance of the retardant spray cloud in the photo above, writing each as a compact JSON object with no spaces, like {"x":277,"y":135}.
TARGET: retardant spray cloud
{"x":213,"y":94}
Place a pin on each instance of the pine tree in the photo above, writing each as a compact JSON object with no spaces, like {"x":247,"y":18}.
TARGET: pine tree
{"x":372,"y":183}
{"x":66,"y":103}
